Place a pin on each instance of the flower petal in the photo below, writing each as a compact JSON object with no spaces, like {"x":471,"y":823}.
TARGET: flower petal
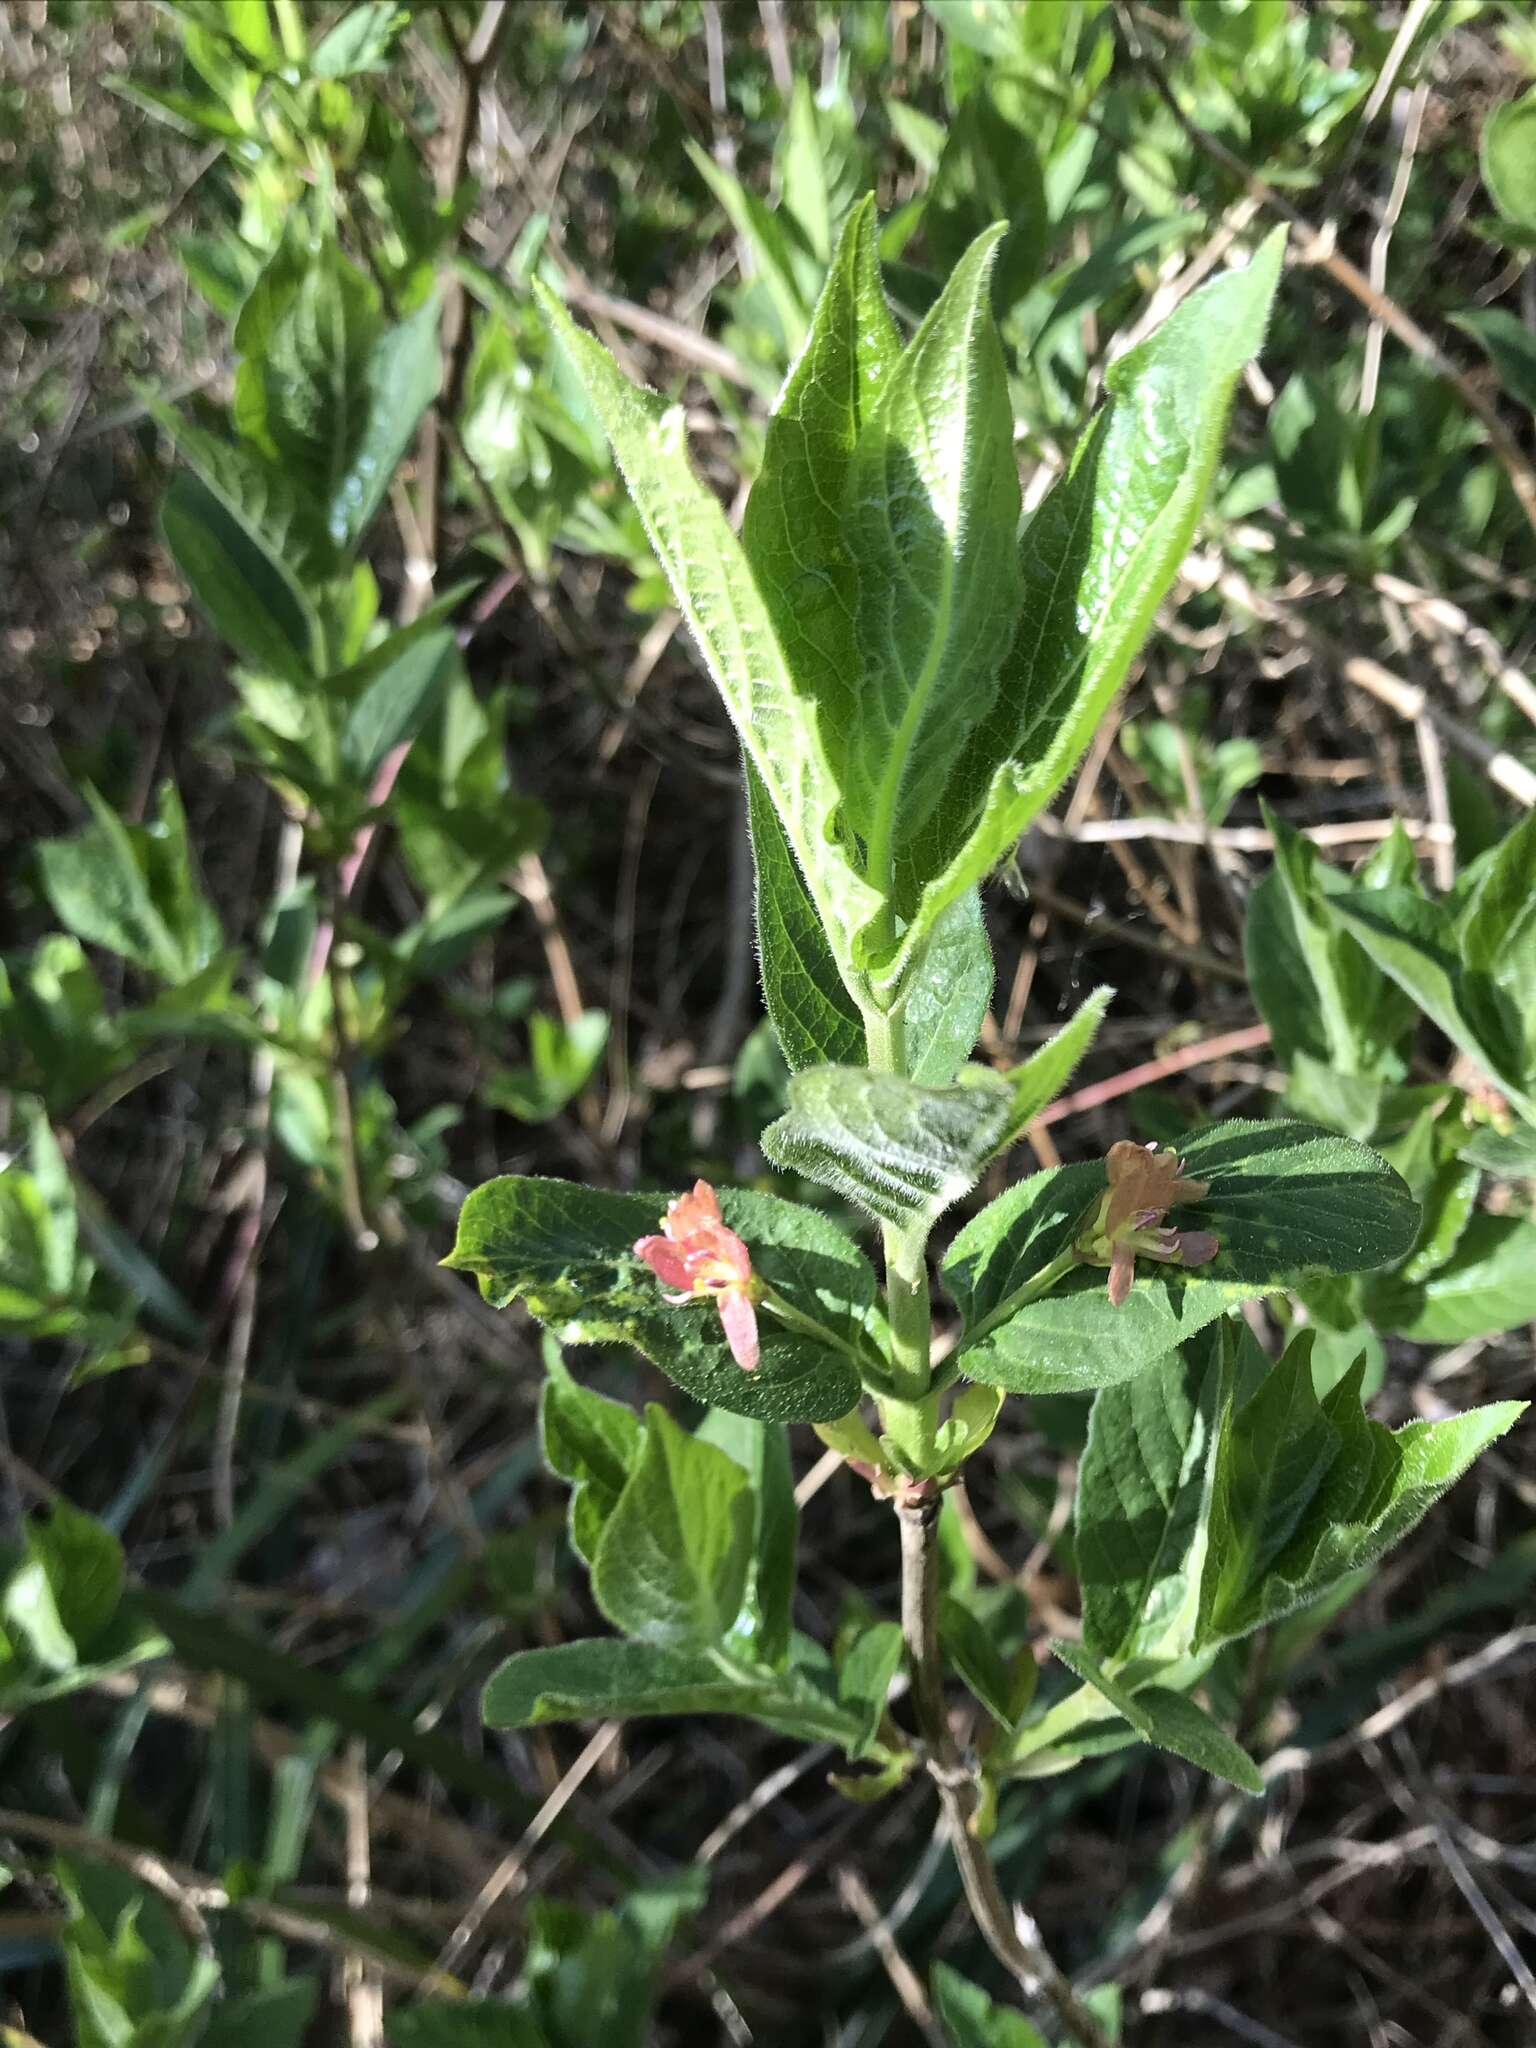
{"x":695,"y":1211}
{"x":1122,"y":1271}
{"x":740,"y":1320}
{"x":1198,"y":1247}
{"x":665,"y":1259}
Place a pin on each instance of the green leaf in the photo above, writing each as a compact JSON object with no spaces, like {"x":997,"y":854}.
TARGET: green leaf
{"x":402,"y":372}
{"x":767,"y":234}
{"x":932,"y":498}
{"x":1318,"y":991}
{"x":592,"y":1443}
{"x":1096,"y":560}
{"x":671,"y":1565}
{"x":83,"y":1563}
{"x":948,"y":992}
{"x":465,"y":2023}
{"x":267,"y":501}
{"x":803,"y":164}
{"x":975,"y":1656}
{"x":566,"y":1251}
{"x":1508,"y":157}
{"x":241,"y":581}
{"x":250,"y":24}
{"x":58,"y":1218}
{"x":973,"y":2020}
{"x":564,"y":1058}
{"x":1448,"y":1197}
{"x":1318,"y":1093}
{"x":1416,"y":943}
{"x":134,"y":1979}
{"x":1140,"y":1506}
{"x":1285,"y":1199}
{"x":1037,"y":1083}
{"x":277,"y":2016}
{"x":1171,"y":1720}
{"x":188,"y":113}
{"x":1305,"y":1492}
{"x":305,"y":388}
{"x":989,"y":171}
{"x":865,"y":1671}
{"x":361,"y":40}
{"x":814,"y":1017}
{"x":771,"y":704}
{"x":330,"y":392}
{"x":902,"y":1151}
{"x":1496,"y":927}
{"x":761,"y":1449}
{"x":131,"y":888}
{"x":30,"y":1613}
{"x":1509,"y":1154}
{"x":1508,"y":344}
{"x":606,"y":1678}
{"x":919,"y":134}
{"x":403,"y":693}
{"x":1488,"y":1284}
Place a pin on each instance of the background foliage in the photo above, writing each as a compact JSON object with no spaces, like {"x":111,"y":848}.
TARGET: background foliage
{"x":372,"y":830}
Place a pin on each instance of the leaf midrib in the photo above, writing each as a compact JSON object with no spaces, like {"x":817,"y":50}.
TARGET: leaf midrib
{"x":881,"y":857}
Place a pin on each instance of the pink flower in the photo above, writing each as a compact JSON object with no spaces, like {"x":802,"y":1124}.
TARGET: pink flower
{"x":1145,"y":1182}
{"x":703,"y":1260}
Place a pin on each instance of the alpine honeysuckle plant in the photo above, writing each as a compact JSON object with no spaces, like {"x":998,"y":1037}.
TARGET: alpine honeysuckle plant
{"x":913,"y":677}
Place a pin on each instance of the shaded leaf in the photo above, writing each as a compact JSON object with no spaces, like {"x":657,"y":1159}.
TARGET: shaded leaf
{"x":1416,"y":943}
{"x":814,"y":1016}
{"x":240,"y":580}
{"x":592,"y":1443}
{"x":1508,"y":344}
{"x":1306,"y":1492}
{"x":607,"y":1678}
{"x":948,"y":993}
{"x":761,"y":1449}
{"x":401,"y":695}
{"x":1171,"y":1720}
{"x":132,"y":889}
{"x":672,"y":1561}
{"x":1487,"y":1284}
{"x":1140,"y":1504}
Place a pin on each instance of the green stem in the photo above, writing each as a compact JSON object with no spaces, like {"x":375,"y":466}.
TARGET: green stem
{"x":911,"y":1420}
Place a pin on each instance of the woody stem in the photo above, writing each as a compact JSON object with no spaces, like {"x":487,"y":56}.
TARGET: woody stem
{"x":1008,"y":1931}
{"x":911,"y":1421}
